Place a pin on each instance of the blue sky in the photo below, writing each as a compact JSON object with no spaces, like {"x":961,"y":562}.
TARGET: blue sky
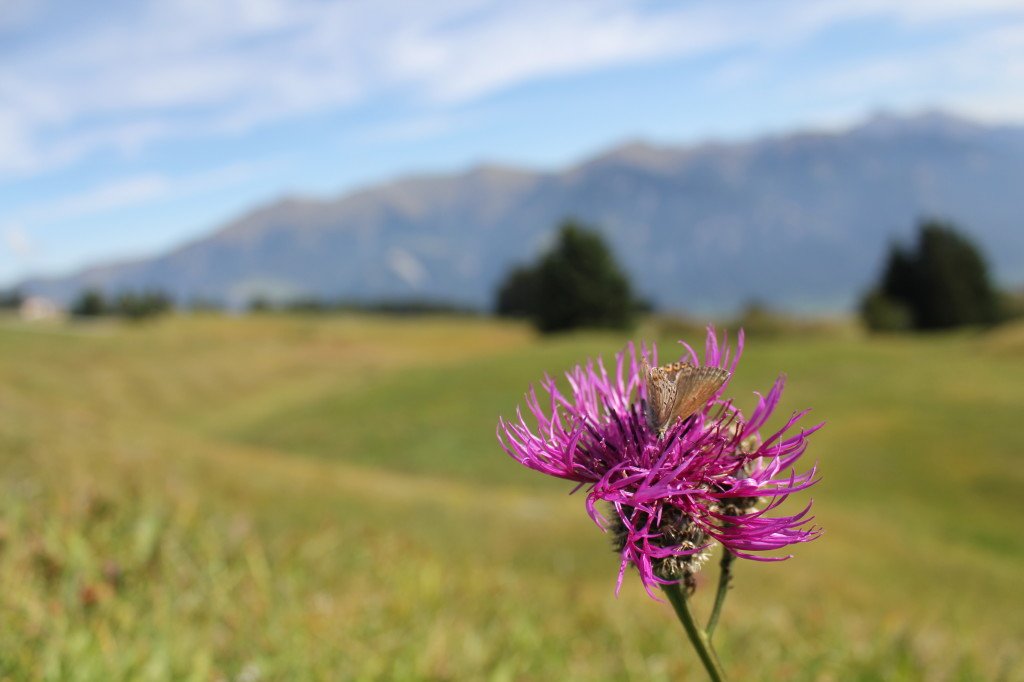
{"x":130,"y":127}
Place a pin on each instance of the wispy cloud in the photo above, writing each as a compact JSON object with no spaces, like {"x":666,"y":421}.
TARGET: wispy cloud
{"x":131,"y":191}
{"x":114,"y":195}
{"x":973,"y":77}
{"x":414,"y":128}
{"x":126,"y":78}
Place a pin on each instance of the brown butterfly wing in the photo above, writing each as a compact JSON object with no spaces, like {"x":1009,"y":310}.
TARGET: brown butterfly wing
{"x":661,"y":393}
{"x":694,"y":388}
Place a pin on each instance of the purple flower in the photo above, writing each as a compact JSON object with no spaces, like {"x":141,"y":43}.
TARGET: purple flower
{"x":710,"y":477}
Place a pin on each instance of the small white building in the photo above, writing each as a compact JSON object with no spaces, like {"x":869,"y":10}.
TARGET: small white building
{"x":37,"y":308}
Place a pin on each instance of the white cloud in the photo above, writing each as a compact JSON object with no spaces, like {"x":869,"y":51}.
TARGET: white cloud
{"x":525,"y":41}
{"x":169,"y":69}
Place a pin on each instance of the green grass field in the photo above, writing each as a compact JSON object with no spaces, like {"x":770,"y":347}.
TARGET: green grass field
{"x":323,"y":498}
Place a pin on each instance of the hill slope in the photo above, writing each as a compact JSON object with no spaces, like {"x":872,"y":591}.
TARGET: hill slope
{"x":800,"y":220}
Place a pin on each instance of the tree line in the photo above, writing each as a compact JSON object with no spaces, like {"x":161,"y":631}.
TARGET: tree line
{"x":317,"y":304}
{"x":130,"y":305}
{"x":940,"y":281}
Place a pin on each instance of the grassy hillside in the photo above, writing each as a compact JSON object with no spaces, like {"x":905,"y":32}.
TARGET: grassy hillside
{"x":323,"y":498}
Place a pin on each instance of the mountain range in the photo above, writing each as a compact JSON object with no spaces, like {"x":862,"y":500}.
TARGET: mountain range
{"x":799,"y":220}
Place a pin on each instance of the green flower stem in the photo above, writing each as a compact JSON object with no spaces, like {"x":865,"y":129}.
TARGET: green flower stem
{"x":698,"y":638}
{"x":724,"y":578}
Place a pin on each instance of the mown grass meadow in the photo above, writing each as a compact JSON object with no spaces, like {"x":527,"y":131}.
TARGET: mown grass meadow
{"x":322,"y":497}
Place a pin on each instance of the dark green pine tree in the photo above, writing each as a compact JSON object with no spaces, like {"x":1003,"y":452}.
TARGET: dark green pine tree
{"x":953,"y":286}
{"x":90,"y":303}
{"x":580,"y":284}
{"x":944,"y":283}
{"x":899,"y":281}
{"x":575,"y":284}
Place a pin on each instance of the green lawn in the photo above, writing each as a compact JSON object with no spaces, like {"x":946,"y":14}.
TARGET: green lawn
{"x":283,"y":498}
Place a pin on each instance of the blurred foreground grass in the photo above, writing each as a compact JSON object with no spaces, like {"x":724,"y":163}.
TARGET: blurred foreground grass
{"x":274,"y":498}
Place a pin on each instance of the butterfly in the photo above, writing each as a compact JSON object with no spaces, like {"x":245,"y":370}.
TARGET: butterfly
{"x":678,"y":390}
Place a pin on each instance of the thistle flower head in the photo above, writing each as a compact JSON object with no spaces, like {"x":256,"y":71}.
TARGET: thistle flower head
{"x":673,"y":488}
